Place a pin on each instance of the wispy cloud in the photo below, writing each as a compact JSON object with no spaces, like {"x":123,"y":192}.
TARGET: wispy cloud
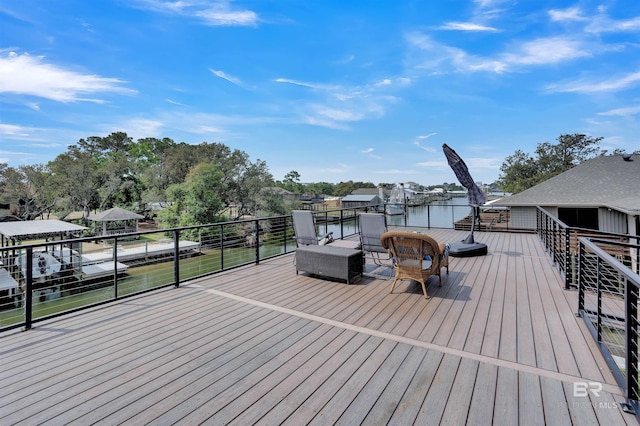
{"x":622,"y":112}
{"x":32,"y":76}
{"x":216,"y":13}
{"x":229,"y":78}
{"x":549,"y":50}
{"x":171,"y":101}
{"x":306,"y":84}
{"x":335,"y":106}
{"x":422,"y":138}
{"x":570,"y":14}
{"x":14,"y":130}
{"x":604,"y":24}
{"x":538,"y":52}
{"x":467,"y":26}
{"x":370,"y":153}
{"x":585,"y":86}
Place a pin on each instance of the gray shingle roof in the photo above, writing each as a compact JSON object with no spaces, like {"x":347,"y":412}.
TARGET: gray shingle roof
{"x":115,"y":213}
{"x":607,"y":181}
{"x":360,"y":197}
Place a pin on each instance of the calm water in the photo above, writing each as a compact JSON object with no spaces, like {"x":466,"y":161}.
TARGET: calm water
{"x":439,"y":214}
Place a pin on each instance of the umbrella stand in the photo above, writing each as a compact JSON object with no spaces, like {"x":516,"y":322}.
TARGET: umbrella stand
{"x":467,"y":247}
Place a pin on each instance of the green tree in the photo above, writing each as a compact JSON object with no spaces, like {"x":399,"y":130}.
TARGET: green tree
{"x":78,"y":178}
{"x":196,"y":201}
{"x":29,"y":187}
{"x":325,"y":188}
{"x":291,"y":183}
{"x":521,"y":171}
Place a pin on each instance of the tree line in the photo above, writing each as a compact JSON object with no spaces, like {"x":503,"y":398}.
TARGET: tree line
{"x":198,"y":184}
{"x":522,"y":170}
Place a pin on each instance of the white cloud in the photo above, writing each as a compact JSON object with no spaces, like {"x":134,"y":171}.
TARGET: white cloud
{"x":14,"y":131}
{"x":32,"y":76}
{"x":426,"y":136}
{"x":142,"y":127}
{"x":488,"y":163}
{"x":570,"y":14}
{"x":603,"y":24}
{"x":336,"y":105}
{"x":548,"y":50}
{"x":428,"y":149}
{"x":222,"y":17}
{"x":466,"y":26}
{"x":542,"y":51}
{"x":610,"y":85}
{"x":306,"y":84}
{"x":438,"y":164}
{"x":229,"y":78}
{"x":216,"y":13}
{"x":622,"y":112}
{"x":171,"y":101}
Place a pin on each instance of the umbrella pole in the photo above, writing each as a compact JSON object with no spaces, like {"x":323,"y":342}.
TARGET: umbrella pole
{"x":469,"y":239}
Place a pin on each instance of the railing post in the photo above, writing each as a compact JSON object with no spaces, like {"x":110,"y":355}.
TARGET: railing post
{"x":257,"y":241}
{"x":567,"y":248}
{"x":598,"y":300}
{"x":580,"y":279}
{"x":28,"y":291}
{"x":115,"y":267}
{"x":284,"y":233}
{"x":221,"y":247}
{"x":631,"y":354}
{"x":176,"y":261}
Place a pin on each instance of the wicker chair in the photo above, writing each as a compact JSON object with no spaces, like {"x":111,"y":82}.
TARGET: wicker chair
{"x":415,"y":256}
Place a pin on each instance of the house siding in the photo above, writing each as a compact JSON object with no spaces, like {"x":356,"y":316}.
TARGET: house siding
{"x":612,"y":221}
{"x":524,"y":217}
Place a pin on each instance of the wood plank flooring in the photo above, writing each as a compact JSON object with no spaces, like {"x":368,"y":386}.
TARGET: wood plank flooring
{"x":498,"y":343}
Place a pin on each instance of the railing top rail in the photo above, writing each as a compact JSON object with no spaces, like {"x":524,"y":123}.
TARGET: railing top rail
{"x":613,"y":242}
{"x":615,"y":263}
{"x":584,"y":230}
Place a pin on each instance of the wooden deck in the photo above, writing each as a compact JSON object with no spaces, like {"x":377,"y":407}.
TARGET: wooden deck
{"x":498,"y":343}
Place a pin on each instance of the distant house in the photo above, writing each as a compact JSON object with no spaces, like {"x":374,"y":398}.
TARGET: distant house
{"x":352,"y":201}
{"x":602,"y":193}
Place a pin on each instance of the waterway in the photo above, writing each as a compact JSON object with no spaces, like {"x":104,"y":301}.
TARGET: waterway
{"x":439,"y":214}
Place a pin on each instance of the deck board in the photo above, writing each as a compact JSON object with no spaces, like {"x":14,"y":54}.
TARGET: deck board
{"x":498,"y":343}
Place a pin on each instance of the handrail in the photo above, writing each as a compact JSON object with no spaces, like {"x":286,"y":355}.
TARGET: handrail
{"x":219,"y":247}
{"x":608,"y":296}
{"x":560,"y":240}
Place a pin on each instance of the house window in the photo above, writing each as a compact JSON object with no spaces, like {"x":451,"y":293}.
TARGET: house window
{"x":579,"y":217}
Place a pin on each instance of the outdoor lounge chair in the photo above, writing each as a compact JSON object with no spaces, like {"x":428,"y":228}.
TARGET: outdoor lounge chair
{"x":304,"y":228}
{"x":415,"y":256}
{"x":372,"y":226}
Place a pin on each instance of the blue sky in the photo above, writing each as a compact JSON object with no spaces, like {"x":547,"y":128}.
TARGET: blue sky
{"x":335,"y":90}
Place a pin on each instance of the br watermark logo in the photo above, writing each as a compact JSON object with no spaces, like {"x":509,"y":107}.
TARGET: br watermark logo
{"x":582,"y":389}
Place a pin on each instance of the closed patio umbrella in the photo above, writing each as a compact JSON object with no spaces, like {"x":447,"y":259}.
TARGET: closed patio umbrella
{"x":476,"y":197}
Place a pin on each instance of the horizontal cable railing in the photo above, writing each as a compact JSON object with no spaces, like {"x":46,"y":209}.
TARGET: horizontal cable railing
{"x":42,"y":280}
{"x":561,"y":241}
{"x":608,"y":295}
{"x":45,"y":279}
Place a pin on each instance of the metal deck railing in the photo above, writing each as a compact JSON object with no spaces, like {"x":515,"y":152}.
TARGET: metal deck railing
{"x":605,"y":269}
